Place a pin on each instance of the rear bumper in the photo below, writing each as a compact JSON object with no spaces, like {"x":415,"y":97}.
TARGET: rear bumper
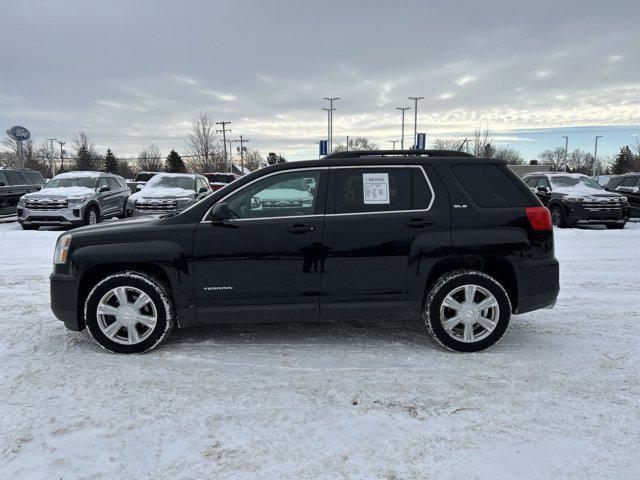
{"x":538,"y":284}
{"x":64,"y":300}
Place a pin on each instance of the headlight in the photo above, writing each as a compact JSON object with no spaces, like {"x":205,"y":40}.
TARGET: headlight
{"x":183,"y":201}
{"x":131,"y":201}
{"x":62,"y":249}
{"x":568,"y":198}
{"x":77,"y":199}
{"x":22,"y":200}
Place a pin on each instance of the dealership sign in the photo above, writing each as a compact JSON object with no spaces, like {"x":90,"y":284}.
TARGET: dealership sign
{"x":19,"y":133}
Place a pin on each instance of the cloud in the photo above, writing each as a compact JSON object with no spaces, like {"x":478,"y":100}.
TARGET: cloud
{"x":225,"y":97}
{"x":465,"y":80}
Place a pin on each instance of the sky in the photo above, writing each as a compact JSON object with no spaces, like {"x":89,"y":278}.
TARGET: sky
{"x":132,"y":73}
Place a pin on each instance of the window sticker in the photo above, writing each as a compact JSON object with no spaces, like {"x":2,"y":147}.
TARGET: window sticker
{"x":376,"y":188}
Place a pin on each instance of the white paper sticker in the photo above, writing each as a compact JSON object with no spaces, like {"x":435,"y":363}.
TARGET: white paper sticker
{"x":376,"y":188}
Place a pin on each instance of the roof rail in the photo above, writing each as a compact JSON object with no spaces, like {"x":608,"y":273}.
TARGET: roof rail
{"x":399,"y":153}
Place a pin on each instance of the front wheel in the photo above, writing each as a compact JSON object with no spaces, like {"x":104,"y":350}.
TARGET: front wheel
{"x":467,"y":311}
{"x":129,"y":312}
{"x":92,"y":216}
{"x":557,"y":217}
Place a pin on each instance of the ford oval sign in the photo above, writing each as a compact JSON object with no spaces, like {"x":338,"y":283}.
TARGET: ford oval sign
{"x":19,"y":133}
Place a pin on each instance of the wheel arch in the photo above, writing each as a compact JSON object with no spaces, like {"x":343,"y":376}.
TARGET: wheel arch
{"x":499,"y":268}
{"x":98,"y":272}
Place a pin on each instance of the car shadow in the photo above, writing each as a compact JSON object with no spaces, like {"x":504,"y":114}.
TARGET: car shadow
{"x":303,"y":333}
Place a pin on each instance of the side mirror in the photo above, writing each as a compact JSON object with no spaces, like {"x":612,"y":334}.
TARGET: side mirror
{"x":255,"y":202}
{"x":2,"y":184}
{"x":203,"y":190}
{"x":543,"y":190}
{"x":103,"y":188}
{"x":220,"y":213}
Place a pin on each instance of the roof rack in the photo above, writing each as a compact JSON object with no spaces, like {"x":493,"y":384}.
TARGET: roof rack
{"x":399,"y":153}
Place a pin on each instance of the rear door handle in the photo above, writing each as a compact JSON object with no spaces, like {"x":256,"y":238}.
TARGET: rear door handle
{"x":418,"y":223}
{"x":299,"y":228}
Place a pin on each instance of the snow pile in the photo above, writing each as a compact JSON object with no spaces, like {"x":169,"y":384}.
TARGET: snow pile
{"x":61,"y":192}
{"x":556,"y":398}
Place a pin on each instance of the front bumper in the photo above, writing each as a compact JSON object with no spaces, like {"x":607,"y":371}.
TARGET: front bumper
{"x":538,"y":284}
{"x":64,"y":300}
{"x":73,"y":215}
{"x":578,"y":213}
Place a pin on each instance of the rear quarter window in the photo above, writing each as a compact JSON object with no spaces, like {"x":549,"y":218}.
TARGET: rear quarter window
{"x":491,"y":186}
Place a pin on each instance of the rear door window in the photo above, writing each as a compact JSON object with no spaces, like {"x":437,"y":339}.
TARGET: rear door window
{"x":628,"y":182}
{"x":490,"y":186}
{"x":16,"y":179}
{"x":380,"y":189}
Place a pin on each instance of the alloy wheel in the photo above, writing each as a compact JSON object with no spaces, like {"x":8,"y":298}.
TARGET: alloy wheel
{"x":469,"y":313}
{"x":126,"y":315}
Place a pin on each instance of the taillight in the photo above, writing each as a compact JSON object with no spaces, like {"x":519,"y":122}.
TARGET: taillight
{"x":539,"y":218}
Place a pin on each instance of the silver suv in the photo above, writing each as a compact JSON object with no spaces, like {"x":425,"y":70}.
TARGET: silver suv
{"x":74,"y":199}
{"x":168,"y":192}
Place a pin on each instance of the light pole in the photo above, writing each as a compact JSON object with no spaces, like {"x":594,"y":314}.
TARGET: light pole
{"x":415,"y":120}
{"x":53,"y":161}
{"x":402,"y":138}
{"x":224,"y":132}
{"x":61,"y":156}
{"x":331,"y":109}
{"x":595,"y":156}
{"x":566,"y":151}
{"x":394,"y":143}
{"x":328,"y":110}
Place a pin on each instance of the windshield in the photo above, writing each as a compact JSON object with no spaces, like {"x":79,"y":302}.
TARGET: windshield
{"x":219,"y":177}
{"x":562,"y":181}
{"x":87,"y":182}
{"x":293,"y":184}
{"x":144,"y":176}
{"x":163,"y":181}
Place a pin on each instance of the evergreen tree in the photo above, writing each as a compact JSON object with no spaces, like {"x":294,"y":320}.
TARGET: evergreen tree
{"x":174,"y":163}
{"x":110,"y":162}
{"x":85,"y":153}
{"x":623,"y":162}
{"x":274,"y":158}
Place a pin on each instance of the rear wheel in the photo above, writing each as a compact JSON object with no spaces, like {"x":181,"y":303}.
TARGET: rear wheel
{"x":557,"y":216}
{"x":467,"y":311}
{"x":129,"y":312}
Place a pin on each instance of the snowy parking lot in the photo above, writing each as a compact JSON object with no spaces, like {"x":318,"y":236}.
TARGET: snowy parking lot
{"x":558,"y":397}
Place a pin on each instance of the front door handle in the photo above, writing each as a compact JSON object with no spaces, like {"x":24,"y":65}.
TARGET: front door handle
{"x":418,"y":223}
{"x":299,"y":228}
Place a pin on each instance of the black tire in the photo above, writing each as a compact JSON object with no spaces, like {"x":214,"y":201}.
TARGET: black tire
{"x":157,"y":292}
{"x":557,"y":216}
{"x":447,"y":284}
{"x":617,"y":226}
{"x":29,"y":227}
{"x":87,"y":215}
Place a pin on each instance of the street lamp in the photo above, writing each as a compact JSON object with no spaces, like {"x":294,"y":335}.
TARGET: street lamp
{"x":595,"y":156}
{"x":402,"y":109}
{"x":566,"y":151}
{"x":415,"y":120}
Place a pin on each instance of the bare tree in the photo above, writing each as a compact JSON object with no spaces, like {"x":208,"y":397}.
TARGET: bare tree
{"x":448,"y":144}
{"x":553,"y":157}
{"x":253,"y":160}
{"x":150,"y":160}
{"x":511,"y":156}
{"x":482,"y":143}
{"x":203,"y":145}
{"x":357,"y":144}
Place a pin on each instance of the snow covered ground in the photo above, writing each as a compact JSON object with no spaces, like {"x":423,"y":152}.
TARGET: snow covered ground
{"x":558,"y":397}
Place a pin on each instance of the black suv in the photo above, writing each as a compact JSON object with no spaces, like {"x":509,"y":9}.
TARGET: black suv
{"x":457,"y":241}
{"x":629,"y":186}
{"x":575,"y":199}
{"x":14,"y":183}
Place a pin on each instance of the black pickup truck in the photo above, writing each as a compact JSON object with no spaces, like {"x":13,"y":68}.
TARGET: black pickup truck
{"x":13,"y":184}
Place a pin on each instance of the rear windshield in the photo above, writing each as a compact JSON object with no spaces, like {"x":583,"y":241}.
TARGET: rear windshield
{"x":490,"y":186}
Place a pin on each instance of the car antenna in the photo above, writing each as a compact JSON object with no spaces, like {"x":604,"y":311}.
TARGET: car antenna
{"x":462,"y":144}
